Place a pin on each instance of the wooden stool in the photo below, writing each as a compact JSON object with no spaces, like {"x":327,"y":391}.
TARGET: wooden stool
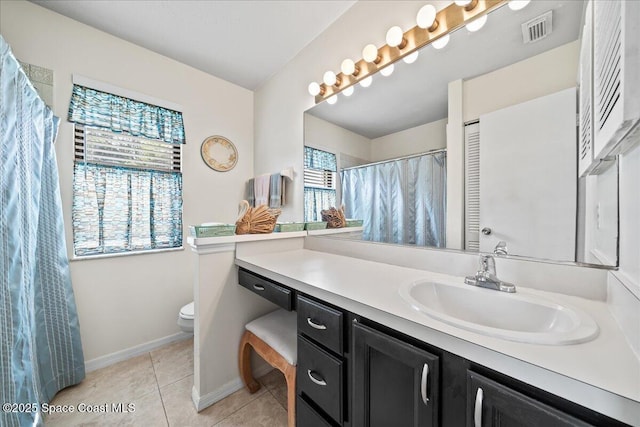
{"x":273,"y":337}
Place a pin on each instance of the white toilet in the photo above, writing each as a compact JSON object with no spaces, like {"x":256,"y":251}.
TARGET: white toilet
{"x":185,"y":318}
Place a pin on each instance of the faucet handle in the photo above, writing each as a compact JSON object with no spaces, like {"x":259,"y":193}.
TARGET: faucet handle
{"x":501,"y":248}
{"x":487,"y":264}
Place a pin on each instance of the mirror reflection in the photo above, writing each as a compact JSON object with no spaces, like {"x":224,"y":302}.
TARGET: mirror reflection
{"x":474,"y":145}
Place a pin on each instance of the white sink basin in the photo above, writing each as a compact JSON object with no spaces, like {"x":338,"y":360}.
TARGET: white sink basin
{"x":516,"y":317}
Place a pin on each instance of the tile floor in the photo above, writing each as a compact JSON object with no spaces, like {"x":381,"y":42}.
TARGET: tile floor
{"x":159,"y":385}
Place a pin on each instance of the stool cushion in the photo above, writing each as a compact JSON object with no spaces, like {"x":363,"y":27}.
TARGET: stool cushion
{"x":278,"y":329}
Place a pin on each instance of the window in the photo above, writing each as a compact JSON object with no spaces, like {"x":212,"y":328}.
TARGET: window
{"x":319,"y":182}
{"x":127,"y":188}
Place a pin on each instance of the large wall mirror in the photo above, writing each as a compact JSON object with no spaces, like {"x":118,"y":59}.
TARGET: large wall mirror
{"x":474,"y":146}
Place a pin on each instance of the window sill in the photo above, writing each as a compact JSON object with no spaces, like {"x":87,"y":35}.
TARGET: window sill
{"x":74,"y":258}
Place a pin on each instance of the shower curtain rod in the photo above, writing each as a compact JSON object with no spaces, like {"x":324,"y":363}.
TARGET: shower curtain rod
{"x":426,"y":153}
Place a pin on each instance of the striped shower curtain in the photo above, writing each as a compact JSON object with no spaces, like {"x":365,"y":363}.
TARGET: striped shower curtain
{"x":40,"y":349}
{"x":400,"y":201}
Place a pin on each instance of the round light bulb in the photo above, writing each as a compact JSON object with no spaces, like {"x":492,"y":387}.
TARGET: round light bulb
{"x":332,"y":99}
{"x":474,"y":26}
{"x":518,"y":4}
{"x":441,"y":42}
{"x":426,"y":16}
{"x":314,"y":89}
{"x":366,"y":82}
{"x":348,"y":91}
{"x":370,"y":53}
{"x":348,"y":67}
{"x":394,"y":36}
{"x":329,"y":78}
{"x":410,"y":59}
{"x":387,"y":71}
{"x":462,"y":3}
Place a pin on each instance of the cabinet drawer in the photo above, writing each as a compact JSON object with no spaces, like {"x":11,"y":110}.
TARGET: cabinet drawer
{"x":306,"y":416}
{"x":319,"y":377}
{"x":267,"y":289}
{"x":320,"y":323}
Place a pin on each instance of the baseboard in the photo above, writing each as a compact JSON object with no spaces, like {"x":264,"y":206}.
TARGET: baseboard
{"x":128,"y":353}
{"x":202,"y":402}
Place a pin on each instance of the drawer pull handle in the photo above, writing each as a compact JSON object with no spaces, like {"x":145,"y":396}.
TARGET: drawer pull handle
{"x":315,"y":325}
{"x":258,"y":287}
{"x":423,"y":383}
{"x":477,"y":412}
{"x":315,"y":380}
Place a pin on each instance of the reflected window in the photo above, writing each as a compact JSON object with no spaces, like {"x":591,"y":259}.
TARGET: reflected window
{"x":320,"y":169}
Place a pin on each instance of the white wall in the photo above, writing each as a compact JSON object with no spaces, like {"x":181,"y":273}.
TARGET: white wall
{"x":543,"y":74}
{"x":419,"y":139}
{"x":124,"y":302}
{"x":326,"y":136}
{"x":629,"y":194}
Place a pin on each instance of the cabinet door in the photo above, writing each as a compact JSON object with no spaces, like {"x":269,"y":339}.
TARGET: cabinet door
{"x":492,"y":404}
{"x":395,"y":383}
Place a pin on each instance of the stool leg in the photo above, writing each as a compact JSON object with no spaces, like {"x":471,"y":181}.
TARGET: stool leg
{"x":290,"y":377}
{"x":245,"y":364}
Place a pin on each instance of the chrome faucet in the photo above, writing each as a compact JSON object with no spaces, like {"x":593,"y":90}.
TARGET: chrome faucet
{"x":486,"y":276}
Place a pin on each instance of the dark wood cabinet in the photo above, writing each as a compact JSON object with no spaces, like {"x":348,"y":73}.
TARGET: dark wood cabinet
{"x":491,"y":404}
{"x":322,"y":383}
{"x":364,"y":374}
{"x":268,"y":289}
{"x":395,"y":383}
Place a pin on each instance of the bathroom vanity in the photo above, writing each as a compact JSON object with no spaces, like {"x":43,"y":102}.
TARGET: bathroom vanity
{"x":366,"y":357}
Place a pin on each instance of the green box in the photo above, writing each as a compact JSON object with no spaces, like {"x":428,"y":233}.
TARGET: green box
{"x":320,"y":225}
{"x":216,"y":230}
{"x":284,"y":227}
{"x":354,"y":223}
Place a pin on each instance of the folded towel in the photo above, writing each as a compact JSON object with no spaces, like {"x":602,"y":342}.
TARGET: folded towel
{"x":261,"y":189}
{"x":275,"y":191}
{"x":250,"y":195}
{"x":284,"y":191}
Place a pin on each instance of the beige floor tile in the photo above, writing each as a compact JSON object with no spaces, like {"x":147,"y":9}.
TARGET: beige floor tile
{"x":275,"y":382}
{"x":273,"y":379}
{"x":280,"y":394}
{"x":144,"y":411}
{"x":262,"y":412}
{"x":122,"y":382}
{"x":173,"y":362}
{"x":180,"y":411}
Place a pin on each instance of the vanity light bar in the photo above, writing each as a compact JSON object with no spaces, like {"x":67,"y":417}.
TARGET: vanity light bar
{"x":449,"y":19}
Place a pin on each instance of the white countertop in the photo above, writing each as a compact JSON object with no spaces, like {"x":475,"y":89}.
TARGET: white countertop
{"x":603,"y":374}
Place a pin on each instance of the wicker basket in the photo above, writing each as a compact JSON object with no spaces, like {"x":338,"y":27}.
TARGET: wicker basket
{"x":258,"y":220}
{"x":334,"y":217}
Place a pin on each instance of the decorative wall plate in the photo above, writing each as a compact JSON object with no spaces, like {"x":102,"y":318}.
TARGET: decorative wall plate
{"x":219,"y":153}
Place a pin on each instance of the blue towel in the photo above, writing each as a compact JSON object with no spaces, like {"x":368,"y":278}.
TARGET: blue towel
{"x":250,"y":195}
{"x":275,"y":191}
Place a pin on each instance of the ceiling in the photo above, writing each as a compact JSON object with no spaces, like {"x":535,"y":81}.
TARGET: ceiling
{"x":243,"y":42}
{"x":417,"y":93}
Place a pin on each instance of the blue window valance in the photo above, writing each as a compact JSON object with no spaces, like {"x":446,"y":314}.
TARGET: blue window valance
{"x":318,"y":159}
{"x":119,"y":114}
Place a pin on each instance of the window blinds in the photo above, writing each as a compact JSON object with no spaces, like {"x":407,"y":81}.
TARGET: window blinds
{"x":127,"y":184}
{"x":319,"y":182}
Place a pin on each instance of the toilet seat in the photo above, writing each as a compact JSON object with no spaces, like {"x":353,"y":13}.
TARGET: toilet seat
{"x":188,"y":311}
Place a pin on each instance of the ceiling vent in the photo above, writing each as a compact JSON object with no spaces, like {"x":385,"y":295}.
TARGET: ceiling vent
{"x":537,"y":28}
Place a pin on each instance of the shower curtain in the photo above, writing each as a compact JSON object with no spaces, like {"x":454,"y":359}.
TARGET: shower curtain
{"x":40,"y":349}
{"x":400,"y":201}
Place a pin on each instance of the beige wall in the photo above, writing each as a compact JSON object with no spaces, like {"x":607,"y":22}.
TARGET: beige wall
{"x":415,"y":140}
{"x":326,"y":136}
{"x":540,"y":75}
{"x":124,"y":302}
